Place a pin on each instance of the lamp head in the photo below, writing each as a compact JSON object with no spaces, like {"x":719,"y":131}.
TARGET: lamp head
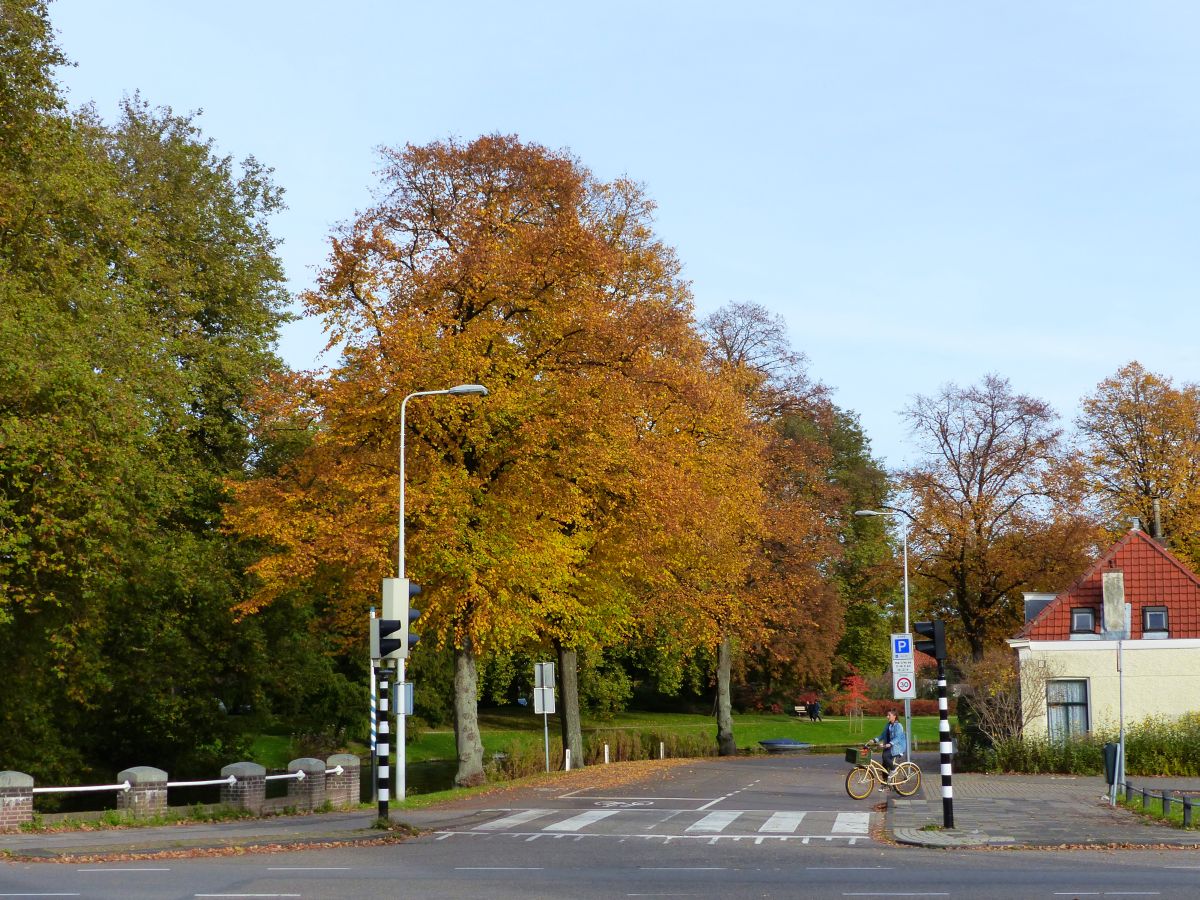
{"x":468,"y":389}
{"x":869,"y":512}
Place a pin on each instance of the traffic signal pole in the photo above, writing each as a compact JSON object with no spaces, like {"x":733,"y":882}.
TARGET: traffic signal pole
{"x":396,"y":611}
{"x":946,"y":745}
{"x":932,"y":640}
{"x":383,"y":748}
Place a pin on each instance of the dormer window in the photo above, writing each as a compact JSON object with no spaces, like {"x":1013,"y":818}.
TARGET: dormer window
{"x":1083,"y":620}
{"x":1154,"y":621}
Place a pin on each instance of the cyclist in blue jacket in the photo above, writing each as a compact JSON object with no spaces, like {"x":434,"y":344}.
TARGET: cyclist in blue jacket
{"x":893,"y":740}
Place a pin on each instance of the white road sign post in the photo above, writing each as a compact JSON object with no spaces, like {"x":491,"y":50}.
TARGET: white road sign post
{"x":543,"y":699}
{"x":904,"y":669}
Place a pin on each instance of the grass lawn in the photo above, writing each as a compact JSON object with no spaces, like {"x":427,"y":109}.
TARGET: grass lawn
{"x":501,"y":728}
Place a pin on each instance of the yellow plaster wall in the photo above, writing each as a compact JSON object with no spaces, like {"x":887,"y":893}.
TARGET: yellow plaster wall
{"x":1161,"y":678}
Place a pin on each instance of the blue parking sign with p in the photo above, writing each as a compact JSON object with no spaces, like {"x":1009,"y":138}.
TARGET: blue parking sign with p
{"x":902,"y":645}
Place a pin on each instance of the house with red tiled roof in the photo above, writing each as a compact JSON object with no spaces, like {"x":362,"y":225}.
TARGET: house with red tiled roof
{"x":1123,"y":641}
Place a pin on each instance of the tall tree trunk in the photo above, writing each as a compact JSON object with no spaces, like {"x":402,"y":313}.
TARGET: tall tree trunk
{"x":466,"y":718}
{"x":726,"y":746}
{"x":572,"y":729}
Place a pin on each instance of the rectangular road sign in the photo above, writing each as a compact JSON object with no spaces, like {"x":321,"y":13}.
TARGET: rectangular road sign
{"x":904,"y":668}
{"x":543,"y":688}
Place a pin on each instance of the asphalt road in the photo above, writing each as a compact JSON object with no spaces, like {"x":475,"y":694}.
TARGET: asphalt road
{"x":758,"y":827}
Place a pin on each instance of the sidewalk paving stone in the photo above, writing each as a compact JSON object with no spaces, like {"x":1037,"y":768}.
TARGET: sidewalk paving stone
{"x":1033,"y":811}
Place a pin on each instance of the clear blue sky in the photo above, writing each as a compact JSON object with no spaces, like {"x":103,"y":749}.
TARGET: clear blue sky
{"x":926,"y":192}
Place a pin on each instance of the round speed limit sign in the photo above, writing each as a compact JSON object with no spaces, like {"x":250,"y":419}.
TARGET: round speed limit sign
{"x":904,"y":684}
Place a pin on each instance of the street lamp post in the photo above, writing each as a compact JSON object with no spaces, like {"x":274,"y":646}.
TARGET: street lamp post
{"x":460,"y":389}
{"x":891,"y":513}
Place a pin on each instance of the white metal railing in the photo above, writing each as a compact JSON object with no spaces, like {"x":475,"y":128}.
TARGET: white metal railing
{"x":232,"y":779}
{"x":126,"y":786}
{"x":123,"y":786}
{"x":298,"y":776}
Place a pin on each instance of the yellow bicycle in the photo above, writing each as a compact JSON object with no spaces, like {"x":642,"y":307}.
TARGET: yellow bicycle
{"x":868,"y":774}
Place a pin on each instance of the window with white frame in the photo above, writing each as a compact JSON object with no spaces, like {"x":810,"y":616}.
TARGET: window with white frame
{"x":1154,"y":621}
{"x":1083,"y":620}
{"x":1067,"y":708}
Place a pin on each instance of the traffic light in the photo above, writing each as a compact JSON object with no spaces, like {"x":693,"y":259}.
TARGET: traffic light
{"x":386,"y":637}
{"x":390,"y":637}
{"x":931,"y":638}
{"x":410,"y":639}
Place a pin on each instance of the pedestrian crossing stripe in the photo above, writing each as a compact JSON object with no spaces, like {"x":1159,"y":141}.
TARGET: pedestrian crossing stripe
{"x":852,"y":822}
{"x":782,"y":823}
{"x":581,"y":821}
{"x":515,"y":820}
{"x":729,"y":824}
{"x":715,"y":821}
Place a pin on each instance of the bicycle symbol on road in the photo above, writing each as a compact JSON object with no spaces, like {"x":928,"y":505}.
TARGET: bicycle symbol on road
{"x":623,"y":804}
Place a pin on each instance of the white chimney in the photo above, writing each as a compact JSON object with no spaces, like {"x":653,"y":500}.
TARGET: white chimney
{"x":1114,"y":603}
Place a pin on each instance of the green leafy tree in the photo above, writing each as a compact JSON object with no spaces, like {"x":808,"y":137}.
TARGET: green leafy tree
{"x":139,"y":296}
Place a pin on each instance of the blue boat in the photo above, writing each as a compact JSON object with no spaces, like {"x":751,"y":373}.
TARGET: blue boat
{"x":783,"y":745}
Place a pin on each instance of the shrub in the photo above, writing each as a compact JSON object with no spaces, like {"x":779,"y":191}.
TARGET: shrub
{"x":519,"y":759}
{"x":625,"y":745}
{"x":874,"y":707}
{"x":1153,"y":746}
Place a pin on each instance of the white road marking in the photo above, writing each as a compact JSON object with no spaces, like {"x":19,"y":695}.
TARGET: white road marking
{"x":512,"y":821}
{"x":852,"y":822}
{"x":715,"y":821}
{"x":308,"y":868}
{"x":782,"y":822}
{"x":583,"y":820}
{"x":498,"y":868}
{"x":577,"y":795}
{"x":160,"y":869}
{"x":850,"y":839}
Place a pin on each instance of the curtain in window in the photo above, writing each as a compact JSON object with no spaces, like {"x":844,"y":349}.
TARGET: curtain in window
{"x":1066,"y":709}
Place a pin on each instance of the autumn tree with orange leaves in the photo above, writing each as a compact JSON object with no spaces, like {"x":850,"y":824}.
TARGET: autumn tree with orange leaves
{"x":1141,"y":435}
{"x":551,"y":513}
{"x":998,"y":505}
{"x":794,"y":615}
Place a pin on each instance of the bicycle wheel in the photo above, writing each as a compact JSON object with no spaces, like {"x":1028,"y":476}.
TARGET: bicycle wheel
{"x":860,"y":782}
{"x":906,"y":779}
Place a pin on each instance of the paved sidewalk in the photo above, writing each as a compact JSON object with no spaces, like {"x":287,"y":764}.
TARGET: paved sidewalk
{"x":1033,"y":811}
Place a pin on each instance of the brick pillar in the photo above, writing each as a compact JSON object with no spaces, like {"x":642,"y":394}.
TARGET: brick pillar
{"x":250,"y":790}
{"x":16,"y":800}
{"x":147,"y":794}
{"x":307,"y":793}
{"x":343,"y":790}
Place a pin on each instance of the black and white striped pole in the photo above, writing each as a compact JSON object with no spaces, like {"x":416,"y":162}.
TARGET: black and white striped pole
{"x":932,"y":640}
{"x":946,"y":745}
{"x":383,"y":743}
